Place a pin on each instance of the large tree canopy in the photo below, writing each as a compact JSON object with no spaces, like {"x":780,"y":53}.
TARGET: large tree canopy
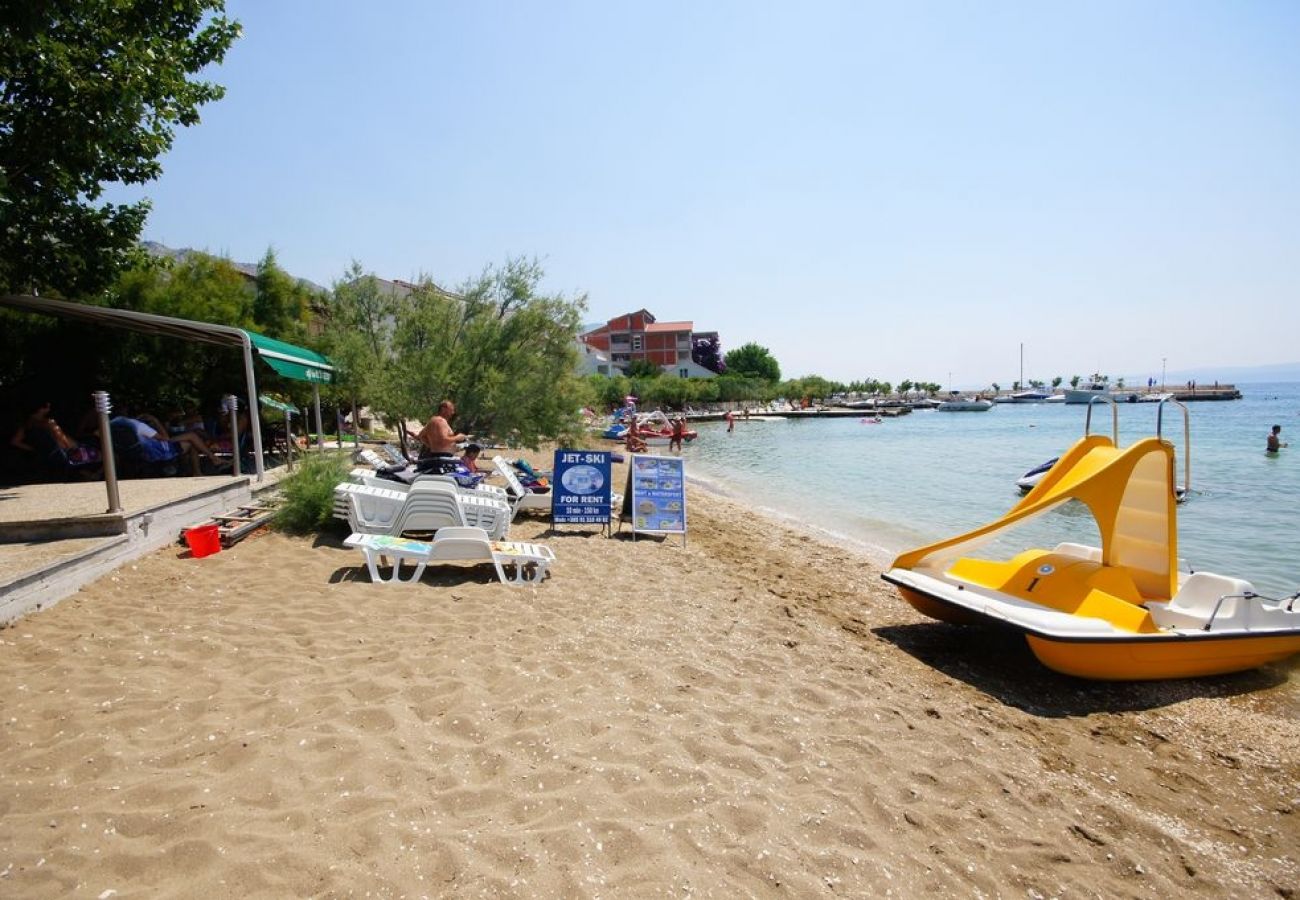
{"x":753,"y":361}
{"x":90,"y":94}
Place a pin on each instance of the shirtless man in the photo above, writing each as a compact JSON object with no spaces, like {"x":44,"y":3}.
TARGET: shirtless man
{"x":437,"y":438}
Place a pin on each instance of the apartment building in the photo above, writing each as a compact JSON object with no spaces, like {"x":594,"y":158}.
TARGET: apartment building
{"x":639,"y":335}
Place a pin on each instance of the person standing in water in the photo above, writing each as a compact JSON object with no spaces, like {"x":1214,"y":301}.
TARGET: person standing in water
{"x":1275,"y":442}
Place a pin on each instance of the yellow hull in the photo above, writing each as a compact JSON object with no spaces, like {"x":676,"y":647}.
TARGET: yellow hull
{"x":1154,"y":659}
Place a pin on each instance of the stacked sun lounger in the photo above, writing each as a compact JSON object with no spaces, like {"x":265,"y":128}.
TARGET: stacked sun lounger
{"x":367,"y":476}
{"x":426,"y":506}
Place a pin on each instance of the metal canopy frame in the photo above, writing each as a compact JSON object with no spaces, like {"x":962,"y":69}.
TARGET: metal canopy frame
{"x":289,"y":360}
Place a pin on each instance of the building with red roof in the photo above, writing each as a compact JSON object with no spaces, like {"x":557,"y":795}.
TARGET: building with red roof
{"x":638,"y":335}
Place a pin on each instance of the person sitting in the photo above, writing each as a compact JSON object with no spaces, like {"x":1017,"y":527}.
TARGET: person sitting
{"x":38,"y":424}
{"x":469,"y":459}
{"x":158,"y":445}
{"x":437,"y":438}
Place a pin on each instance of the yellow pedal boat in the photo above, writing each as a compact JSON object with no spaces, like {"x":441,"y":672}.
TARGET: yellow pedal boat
{"x":1118,"y":612}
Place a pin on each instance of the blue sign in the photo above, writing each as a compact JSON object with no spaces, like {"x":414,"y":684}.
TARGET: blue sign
{"x":580,"y":489}
{"x":658,"y":494}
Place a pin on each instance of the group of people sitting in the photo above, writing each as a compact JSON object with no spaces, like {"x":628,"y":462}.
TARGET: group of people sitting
{"x":39,"y":448}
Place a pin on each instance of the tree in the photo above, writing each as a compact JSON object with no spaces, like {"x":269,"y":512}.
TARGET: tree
{"x":91,"y":93}
{"x":1074,"y":381}
{"x":753,"y":361}
{"x":642,"y":368}
{"x":707,"y":352}
{"x":498,"y":348}
{"x":1056,"y":382}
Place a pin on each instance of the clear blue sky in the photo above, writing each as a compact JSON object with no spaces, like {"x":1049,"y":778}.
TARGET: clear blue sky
{"x":897,"y":191}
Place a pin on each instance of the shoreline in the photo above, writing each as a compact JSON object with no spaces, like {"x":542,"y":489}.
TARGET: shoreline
{"x":755,"y":713}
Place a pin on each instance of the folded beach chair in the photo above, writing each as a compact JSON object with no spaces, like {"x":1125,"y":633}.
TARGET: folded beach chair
{"x":519,"y":496}
{"x":453,"y":545}
{"x":427,"y":506}
{"x":372,"y":459}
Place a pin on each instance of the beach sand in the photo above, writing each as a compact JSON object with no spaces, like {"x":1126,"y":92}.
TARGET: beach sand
{"x":753,"y":714}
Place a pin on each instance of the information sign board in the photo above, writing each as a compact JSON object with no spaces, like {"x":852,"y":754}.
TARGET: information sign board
{"x":580,"y":488}
{"x":658,"y":494}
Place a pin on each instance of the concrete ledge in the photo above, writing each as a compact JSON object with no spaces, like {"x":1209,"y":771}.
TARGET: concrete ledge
{"x":140,"y":531}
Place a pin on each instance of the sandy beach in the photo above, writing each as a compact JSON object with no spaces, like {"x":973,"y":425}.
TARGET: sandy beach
{"x":753,"y":714}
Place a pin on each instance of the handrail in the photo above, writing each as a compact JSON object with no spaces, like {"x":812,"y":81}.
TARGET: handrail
{"x":1187,"y":438}
{"x":1114,"y":417}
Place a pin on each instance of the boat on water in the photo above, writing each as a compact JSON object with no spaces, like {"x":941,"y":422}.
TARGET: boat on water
{"x":1097,"y":386}
{"x":955,"y":402}
{"x":1120,"y":611}
{"x":1033,"y":395}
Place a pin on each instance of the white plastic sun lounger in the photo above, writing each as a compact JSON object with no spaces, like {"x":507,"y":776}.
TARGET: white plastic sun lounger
{"x":520,"y":497}
{"x":450,"y":545}
{"x":426,"y":506}
{"x":366,"y":476}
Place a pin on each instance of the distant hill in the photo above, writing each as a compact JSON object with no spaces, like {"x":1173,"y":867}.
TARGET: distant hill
{"x":153,"y":248}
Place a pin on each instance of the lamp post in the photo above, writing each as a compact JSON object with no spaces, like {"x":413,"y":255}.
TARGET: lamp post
{"x":1162,"y":373}
{"x":103,"y":406}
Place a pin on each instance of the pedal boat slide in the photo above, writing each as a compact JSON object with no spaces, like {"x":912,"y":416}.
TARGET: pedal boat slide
{"x":1118,"y":612}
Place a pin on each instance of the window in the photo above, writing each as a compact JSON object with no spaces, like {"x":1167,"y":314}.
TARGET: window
{"x":636,"y":343}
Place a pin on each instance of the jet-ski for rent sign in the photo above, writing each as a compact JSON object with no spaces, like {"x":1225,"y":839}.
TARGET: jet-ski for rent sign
{"x":580,"y":491}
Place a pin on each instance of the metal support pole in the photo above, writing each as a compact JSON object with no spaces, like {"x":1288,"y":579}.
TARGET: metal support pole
{"x":320,"y":426}
{"x":288,"y":440}
{"x":356,"y":427}
{"x":230,"y":403}
{"x":254,"y":420}
{"x":102,"y":406}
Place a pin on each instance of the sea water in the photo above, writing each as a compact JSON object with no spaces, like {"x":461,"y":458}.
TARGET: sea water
{"x":928,"y":475}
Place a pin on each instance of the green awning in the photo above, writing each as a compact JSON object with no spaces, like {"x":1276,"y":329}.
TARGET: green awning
{"x":290,"y":361}
{"x":277,"y":404}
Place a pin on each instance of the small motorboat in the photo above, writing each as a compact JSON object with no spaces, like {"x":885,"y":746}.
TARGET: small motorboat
{"x":1120,"y":611}
{"x":1027,"y":481}
{"x":957,"y":403}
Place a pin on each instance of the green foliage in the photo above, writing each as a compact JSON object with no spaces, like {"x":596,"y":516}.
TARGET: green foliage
{"x":92,"y":92}
{"x":1056,"y":382}
{"x":356,"y":325}
{"x":1074,"y":381}
{"x":308,"y":505}
{"x":501,"y":351}
{"x":642,"y":368}
{"x":753,"y":361}
{"x":810,"y":387}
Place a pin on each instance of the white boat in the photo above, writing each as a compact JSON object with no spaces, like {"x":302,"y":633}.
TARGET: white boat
{"x":1097,"y":387}
{"x":1033,"y":395}
{"x":958,"y":403}
{"x":1154,"y":398}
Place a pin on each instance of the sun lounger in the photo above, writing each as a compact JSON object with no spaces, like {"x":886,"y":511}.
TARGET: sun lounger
{"x":453,"y":545}
{"x":519,"y":496}
{"x":427,"y":506}
{"x":366,"y":476}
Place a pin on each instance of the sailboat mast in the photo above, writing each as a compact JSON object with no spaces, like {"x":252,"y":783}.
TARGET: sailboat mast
{"x":1022,"y":365}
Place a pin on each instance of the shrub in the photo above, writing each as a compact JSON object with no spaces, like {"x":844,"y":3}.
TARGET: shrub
{"x":309,"y":494}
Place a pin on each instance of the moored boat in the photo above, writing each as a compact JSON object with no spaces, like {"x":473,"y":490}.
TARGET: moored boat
{"x":1098,"y":386}
{"x":957,"y":403}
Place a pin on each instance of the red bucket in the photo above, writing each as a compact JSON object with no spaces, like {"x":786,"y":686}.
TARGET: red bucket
{"x":203,"y":541}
